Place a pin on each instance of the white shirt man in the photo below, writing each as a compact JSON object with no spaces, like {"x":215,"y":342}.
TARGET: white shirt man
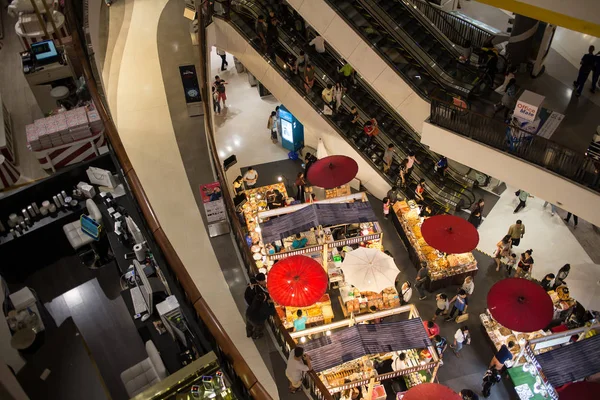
{"x":250,"y":177}
{"x":319,"y":44}
{"x":296,"y":368}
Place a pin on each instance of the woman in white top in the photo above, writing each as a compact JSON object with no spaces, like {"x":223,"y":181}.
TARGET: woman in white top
{"x":405,"y":293}
{"x":250,"y":177}
{"x":468,"y":285}
{"x":338,"y":92}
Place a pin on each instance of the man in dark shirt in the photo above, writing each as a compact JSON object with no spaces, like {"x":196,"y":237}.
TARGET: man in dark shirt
{"x":393,"y":194}
{"x":261,"y":29}
{"x":596,"y":73}
{"x":588,"y":62}
{"x":422,"y":276}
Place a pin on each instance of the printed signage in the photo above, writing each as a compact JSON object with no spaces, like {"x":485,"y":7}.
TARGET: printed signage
{"x":212,"y":197}
{"x":189,"y":80}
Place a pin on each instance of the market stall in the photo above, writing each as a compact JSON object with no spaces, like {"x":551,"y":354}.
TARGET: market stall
{"x":349,"y":353}
{"x":444,"y":269}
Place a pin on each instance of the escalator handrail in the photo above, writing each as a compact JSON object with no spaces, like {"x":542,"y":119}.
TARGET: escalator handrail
{"x":451,"y":195}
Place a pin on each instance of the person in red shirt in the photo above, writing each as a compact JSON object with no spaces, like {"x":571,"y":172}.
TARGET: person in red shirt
{"x":371,"y":129}
{"x":431,"y":328}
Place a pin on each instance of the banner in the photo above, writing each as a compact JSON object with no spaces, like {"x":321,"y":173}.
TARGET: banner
{"x":189,"y":80}
{"x":212,"y":197}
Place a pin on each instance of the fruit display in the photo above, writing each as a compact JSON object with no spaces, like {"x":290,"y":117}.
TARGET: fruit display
{"x":440,"y":265}
{"x":501,"y":335}
{"x":257,"y":201}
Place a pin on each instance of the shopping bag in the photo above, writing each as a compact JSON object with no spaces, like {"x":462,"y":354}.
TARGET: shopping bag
{"x":462,"y":318}
{"x":327,"y":110}
{"x":102,"y":177}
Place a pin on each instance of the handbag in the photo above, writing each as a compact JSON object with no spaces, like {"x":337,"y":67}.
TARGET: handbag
{"x":462,"y":318}
{"x":327,"y":110}
{"x":102,"y":177}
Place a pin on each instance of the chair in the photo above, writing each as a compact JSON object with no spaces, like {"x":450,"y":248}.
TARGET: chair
{"x":75,"y":235}
{"x":146,"y":373}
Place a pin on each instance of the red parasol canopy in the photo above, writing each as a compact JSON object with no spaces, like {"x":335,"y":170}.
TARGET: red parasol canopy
{"x":333,"y":171}
{"x":450,"y":234}
{"x":580,"y":391}
{"x":431,"y":391}
{"x":297,"y":281}
{"x":520,"y":305}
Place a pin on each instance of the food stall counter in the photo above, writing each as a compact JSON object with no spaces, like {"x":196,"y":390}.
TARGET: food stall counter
{"x":524,"y":383}
{"x":320,"y":312}
{"x":444,"y":270}
{"x":354,"y":301}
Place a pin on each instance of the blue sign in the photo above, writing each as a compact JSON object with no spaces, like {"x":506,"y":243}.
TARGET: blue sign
{"x":291,"y":130}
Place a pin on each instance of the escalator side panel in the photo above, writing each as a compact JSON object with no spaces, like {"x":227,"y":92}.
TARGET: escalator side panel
{"x":396,"y":92}
{"x":315,"y":126}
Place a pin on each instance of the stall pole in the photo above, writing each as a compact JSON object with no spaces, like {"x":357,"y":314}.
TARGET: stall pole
{"x":40,"y":19}
{"x":434,"y":373}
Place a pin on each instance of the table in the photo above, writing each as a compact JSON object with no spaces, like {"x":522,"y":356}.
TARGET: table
{"x":520,"y":377}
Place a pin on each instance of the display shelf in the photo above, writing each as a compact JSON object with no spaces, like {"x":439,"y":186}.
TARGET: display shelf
{"x":524,"y":383}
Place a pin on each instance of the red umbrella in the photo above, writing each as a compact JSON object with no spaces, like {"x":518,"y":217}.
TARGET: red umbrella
{"x":450,"y":234}
{"x":431,"y":391}
{"x":297,"y":281}
{"x":580,"y":391}
{"x":520,"y":305}
{"x":333,"y":171}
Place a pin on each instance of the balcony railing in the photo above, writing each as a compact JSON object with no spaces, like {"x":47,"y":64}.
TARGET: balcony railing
{"x":515,"y":141}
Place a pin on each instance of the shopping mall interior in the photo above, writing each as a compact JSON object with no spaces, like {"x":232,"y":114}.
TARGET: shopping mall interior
{"x":193,"y":191}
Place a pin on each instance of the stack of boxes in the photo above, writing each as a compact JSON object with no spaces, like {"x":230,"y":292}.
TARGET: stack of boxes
{"x":63,"y":128}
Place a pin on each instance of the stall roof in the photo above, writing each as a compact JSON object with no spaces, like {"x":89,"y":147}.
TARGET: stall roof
{"x":351,"y":343}
{"x":571,"y":363}
{"x":315,"y":215}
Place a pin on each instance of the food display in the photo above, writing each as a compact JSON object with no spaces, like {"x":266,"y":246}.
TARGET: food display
{"x":500,"y":335}
{"x":440,"y":265}
{"x":320,"y":312}
{"x":562,"y":303}
{"x":357,"y":302}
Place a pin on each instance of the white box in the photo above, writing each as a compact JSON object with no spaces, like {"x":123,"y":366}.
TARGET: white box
{"x":528,"y":105}
{"x":88,"y":190}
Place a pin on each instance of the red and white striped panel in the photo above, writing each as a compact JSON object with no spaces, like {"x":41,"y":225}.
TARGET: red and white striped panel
{"x":9,"y":174}
{"x":74,"y":153}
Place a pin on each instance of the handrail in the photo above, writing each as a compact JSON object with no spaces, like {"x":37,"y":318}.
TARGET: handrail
{"x":455,"y":28}
{"x":511,"y":139}
{"x":225,"y":346}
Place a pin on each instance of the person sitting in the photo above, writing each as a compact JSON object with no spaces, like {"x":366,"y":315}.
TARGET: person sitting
{"x":299,"y":242}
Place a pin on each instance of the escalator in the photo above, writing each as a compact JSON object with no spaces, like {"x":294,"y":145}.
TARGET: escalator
{"x":446,"y":193}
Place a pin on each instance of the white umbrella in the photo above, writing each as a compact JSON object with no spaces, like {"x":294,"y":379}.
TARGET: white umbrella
{"x":369,"y":269}
{"x":321,"y":150}
{"x":583,"y":283}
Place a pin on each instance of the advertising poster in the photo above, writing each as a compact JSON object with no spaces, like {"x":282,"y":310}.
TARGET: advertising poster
{"x":212,"y":197}
{"x":191,"y":88}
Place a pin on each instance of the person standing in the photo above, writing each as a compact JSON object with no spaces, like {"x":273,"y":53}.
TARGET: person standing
{"x":371,"y":129}
{"x":219,"y":84}
{"x":319,"y":44}
{"x":250,"y":177}
{"x":508,"y":100}
{"x":386,"y":207}
{"x":352,"y":120}
{"x":516,"y":232}
{"x":477,"y":213}
{"x":422,"y":277}
{"x":403,"y":171}
{"x":309,"y":78}
{"x":419,"y":191}
{"x":523,"y":196}
{"x":388,"y":157}
{"x":561,"y":275}
{"x":552,"y":207}
{"x":490,"y":378}
{"x":348,"y":74}
{"x":461,"y":337}
{"x":502,"y":250}
{"x":468,"y":285}
{"x":258,"y":312}
{"x":575,"y":219}
{"x":272,"y":126}
{"x":238,"y":185}
{"x":338,"y":93}
{"x":411,"y":159}
{"x":503,"y":355}
{"x":300,"y":321}
{"x":300,"y":185}
{"x":510,"y":74}
{"x":460,"y":304}
{"x":441,"y":166}
{"x":596,"y":73}
{"x":223,"y":56}
{"x":393,"y":194}
{"x":215,"y":99}
{"x":260,"y":27}
{"x":327,"y":96}
{"x":431,"y":328}
{"x":405,"y":293}
{"x":441,"y":344}
{"x":525,"y":266}
{"x":272,"y":36}
{"x":548,"y":282}
{"x":298,"y":364}
{"x":588,"y":61}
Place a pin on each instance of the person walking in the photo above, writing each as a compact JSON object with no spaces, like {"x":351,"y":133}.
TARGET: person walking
{"x":508,"y":101}
{"x":257,"y":314}
{"x":588,"y":61}
{"x":442,"y":305}
{"x":405,"y":293}
{"x":386,"y":207}
{"x":223,"y":55}
{"x":309,"y":78}
{"x":468,"y":285}
{"x":459,"y":303}
{"x":523,"y":196}
{"x":319,"y":44}
{"x":250,"y":177}
{"x":421,"y":280}
{"x":575,"y":219}
{"x":477,"y":213}
{"x":525,"y":266}
{"x":388,"y":157}
{"x":338,"y":93}
{"x":298,"y":364}
{"x":502,"y":250}
{"x":552,"y":207}
{"x":300,"y":187}
{"x":215,"y":99}
{"x":461,"y":337}
{"x":516,"y":232}
{"x":272,"y":126}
